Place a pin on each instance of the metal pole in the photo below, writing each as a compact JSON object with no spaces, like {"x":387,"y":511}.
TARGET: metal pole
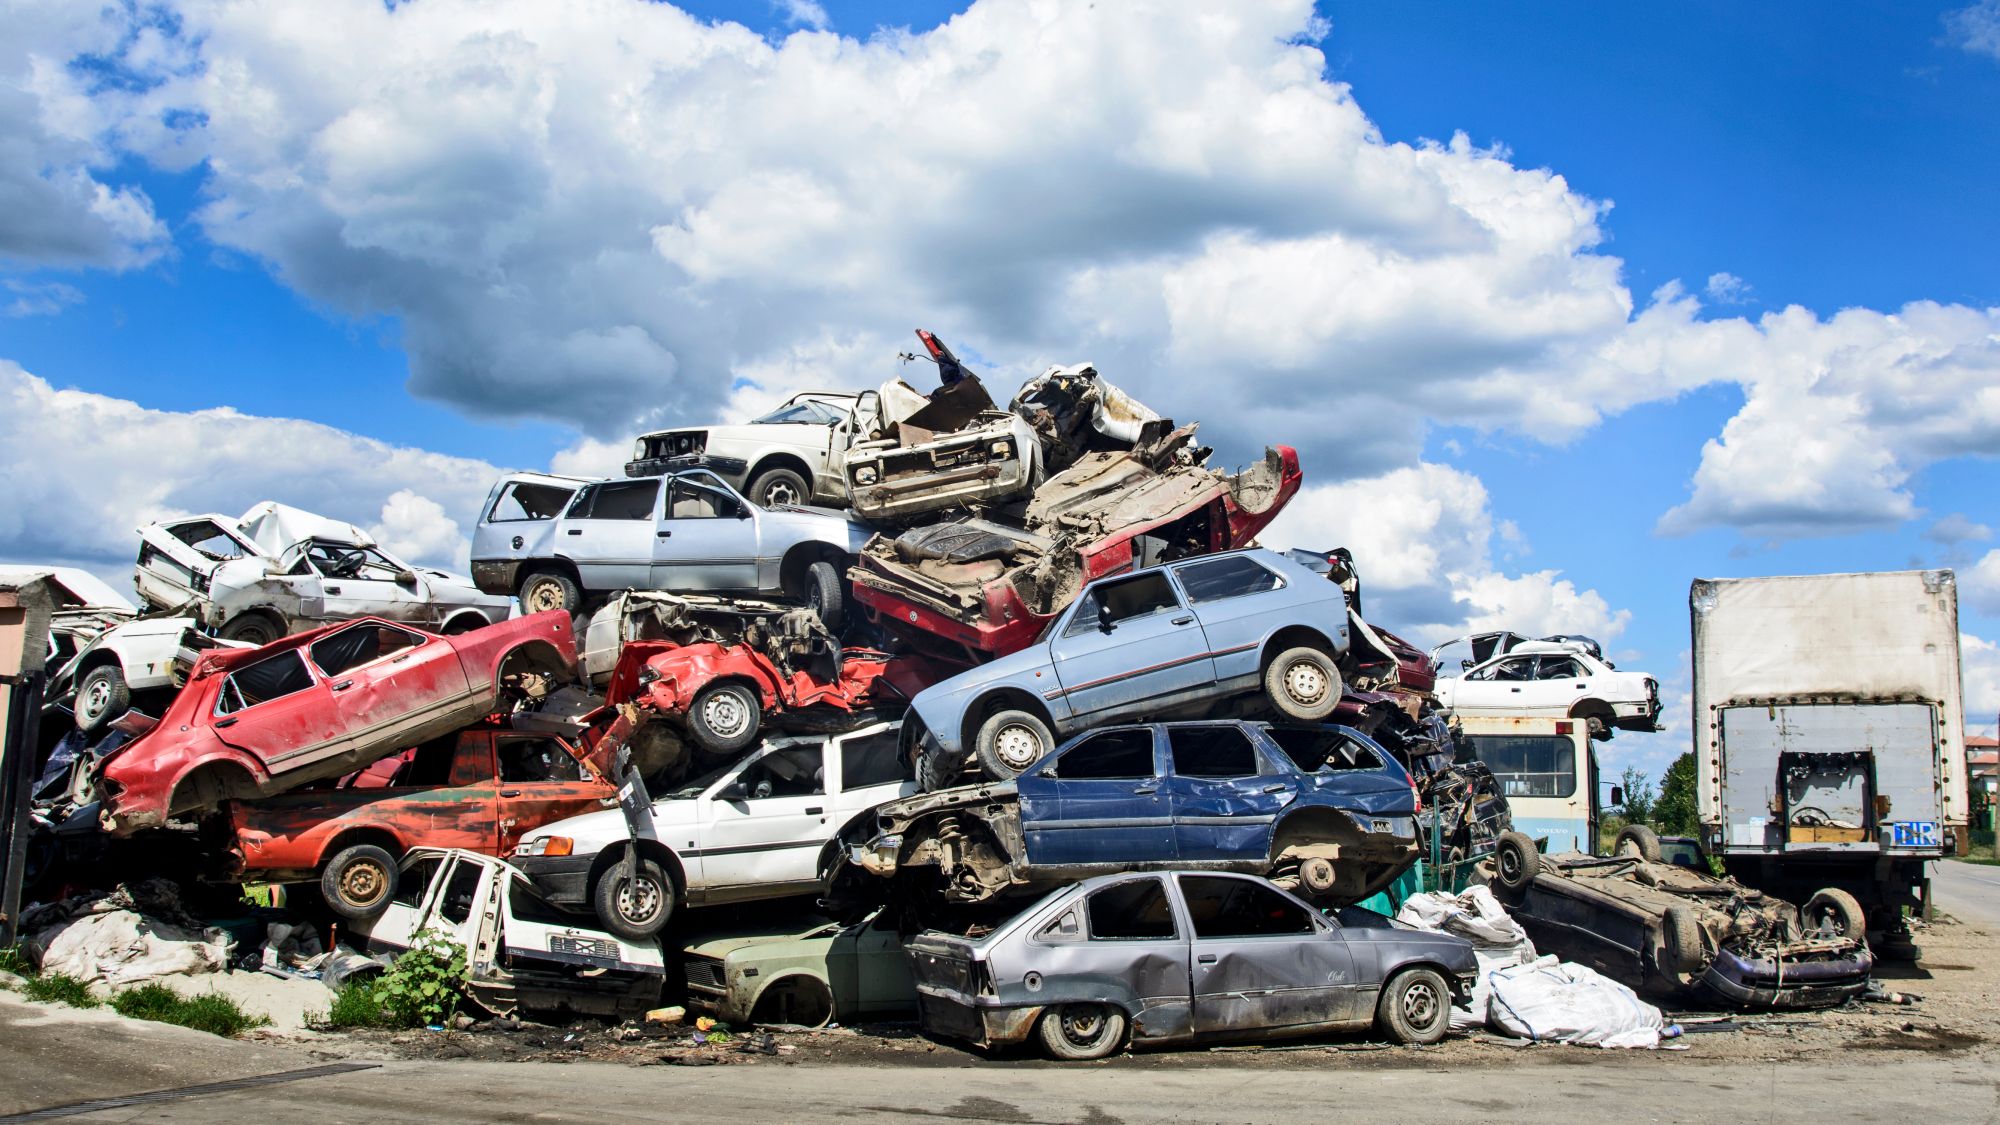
{"x":17,"y":780}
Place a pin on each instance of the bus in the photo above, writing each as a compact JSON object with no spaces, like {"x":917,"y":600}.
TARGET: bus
{"x":1547,"y":769}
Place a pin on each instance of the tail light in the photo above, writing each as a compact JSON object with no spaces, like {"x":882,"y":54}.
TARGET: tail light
{"x":1564,"y":726}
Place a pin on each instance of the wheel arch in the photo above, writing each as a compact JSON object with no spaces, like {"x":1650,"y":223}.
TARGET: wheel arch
{"x":1295,"y":636}
{"x":799,"y":558}
{"x":614,"y":853}
{"x":463,"y":621}
{"x":534,"y":655}
{"x":779,"y":460}
{"x":555,"y":564}
{"x":265,"y":612}
{"x":796,"y":974}
{"x":210,"y":783}
{"x":1592,"y":706}
{"x":1421,"y":961}
{"x":380,"y":835}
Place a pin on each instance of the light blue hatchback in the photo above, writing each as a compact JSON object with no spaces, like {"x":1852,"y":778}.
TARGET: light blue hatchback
{"x":1145,"y":645}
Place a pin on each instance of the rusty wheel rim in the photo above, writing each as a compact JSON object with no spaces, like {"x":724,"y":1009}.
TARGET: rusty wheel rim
{"x":1305,"y":682}
{"x":542,"y":597}
{"x":1082,"y":1025}
{"x":363,"y":884}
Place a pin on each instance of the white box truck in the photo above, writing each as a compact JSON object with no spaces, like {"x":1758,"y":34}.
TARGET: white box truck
{"x":1829,"y":735}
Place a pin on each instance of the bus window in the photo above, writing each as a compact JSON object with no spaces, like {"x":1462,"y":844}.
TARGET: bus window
{"x":1536,"y":765}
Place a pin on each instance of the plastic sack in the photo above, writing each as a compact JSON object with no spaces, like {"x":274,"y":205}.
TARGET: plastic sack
{"x":1562,"y":1002}
{"x":1498,"y":941}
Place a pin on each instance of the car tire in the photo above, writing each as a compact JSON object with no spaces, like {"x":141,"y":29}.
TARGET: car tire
{"x":778,"y":486}
{"x":1681,"y":938}
{"x":823,"y":594}
{"x":1640,"y":841}
{"x":359,"y":881}
{"x":251,"y":628}
{"x":634,"y":917}
{"x":1080,"y":1032}
{"x":1415,"y":1007}
{"x":549,"y":589}
{"x":1838,"y":908}
{"x":101,"y":696}
{"x":1010,"y":741}
{"x":1303,"y":684}
{"x":725,"y":717}
{"x":1516,"y":861}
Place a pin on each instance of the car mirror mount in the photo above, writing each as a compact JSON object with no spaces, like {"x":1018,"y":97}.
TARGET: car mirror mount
{"x":406,"y":577}
{"x":733,"y":791}
{"x":1105,"y":622}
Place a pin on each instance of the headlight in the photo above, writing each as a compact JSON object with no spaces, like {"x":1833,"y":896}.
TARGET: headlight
{"x":546,"y":845}
{"x":1001,"y":449}
{"x":639,"y":450}
{"x":864,"y":475}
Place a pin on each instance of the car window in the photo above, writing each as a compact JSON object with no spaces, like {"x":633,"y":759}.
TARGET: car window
{"x":806,"y":411}
{"x":270,"y":678}
{"x":210,"y":539}
{"x":415,"y":880}
{"x":1528,"y":765}
{"x":1064,"y":927}
{"x":345,"y":560}
{"x":687,"y":500}
{"x":1558,"y":668}
{"x":537,"y":759}
{"x":1217,"y":751}
{"x":1107,"y":755}
{"x":527,"y":905}
{"x":616,"y":500}
{"x":1131,"y":911}
{"x":1316,"y":748}
{"x":1233,"y":908}
{"x":871,"y":759}
{"x":1216,"y":579}
{"x":358,"y":644}
{"x":526,"y":500}
{"x":456,"y":904}
{"x":1128,"y":600}
{"x":429,"y":764}
{"x":797,"y":772}
{"x":1512,"y":668}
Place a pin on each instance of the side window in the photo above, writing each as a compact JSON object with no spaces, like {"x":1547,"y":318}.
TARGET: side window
{"x":524,"y":500}
{"x":1113,"y":754}
{"x":429,"y":764}
{"x":1322,"y":748}
{"x":1218,"y":751}
{"x":345,"y":560}
{"x":456,"y":904}
{"x":537,"y":759}
{"x":1512,"y":668}
{"x":1130,"y":911}
{"x":687,"y":500}
{"x":270,"y":678}
{"x":787,"y":773}
{"x":1233,"y":908}
{"x":208,"y":537}
{"x":1225,"y":578}
{"x":870,"y":760}
{"x":1558,"y":668}
{"x":1126,"y":600}
{"x":616,"y":500}
{"x":415,"y":880}
{"x":357,"y":645}
{"x":1065,"y":927}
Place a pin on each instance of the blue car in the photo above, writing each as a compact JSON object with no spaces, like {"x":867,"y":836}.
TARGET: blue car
{"x":1185,"y":636}
{"x":1324,"y":810}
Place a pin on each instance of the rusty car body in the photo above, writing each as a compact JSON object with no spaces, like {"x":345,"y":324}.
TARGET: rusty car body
{"x":790,"y":636}
{"x":257,"y":722}
{"x":805,"y":973}
{"x":1183,"y":957}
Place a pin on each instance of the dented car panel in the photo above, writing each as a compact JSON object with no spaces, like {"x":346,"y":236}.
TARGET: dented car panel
{"x":258,"y":722}
{"x":994,"y":459}
{"x":802,"y":975}
{"x":788,"y":635}
{"x":517,"y":514}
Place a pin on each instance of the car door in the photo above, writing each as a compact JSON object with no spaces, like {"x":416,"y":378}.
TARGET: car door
{"x":383,"y":679}
{"x":1560,"y":681}
{"x":608,"y":533}
{"x":1132,"y":933}
{"x":707,"y":538}
{"x":1098,"y":802}
{"x":1262,"y":959}
{"x":409,"y":911}
{"x":1128,"y":642}
{"x":1499,"y":686}
{"x":1224,"y":595}
{"x":361,"y":582}
{"x":276,"y":710}
{"x":767,"y":824}
{"x":541,"y":781}
{"x":1224,"y":793}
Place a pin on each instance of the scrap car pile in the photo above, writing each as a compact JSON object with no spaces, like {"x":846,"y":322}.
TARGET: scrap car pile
{"x":1023,"y":724}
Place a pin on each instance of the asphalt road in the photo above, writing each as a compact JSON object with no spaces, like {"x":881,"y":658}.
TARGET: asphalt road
{"x":1967,"y":890}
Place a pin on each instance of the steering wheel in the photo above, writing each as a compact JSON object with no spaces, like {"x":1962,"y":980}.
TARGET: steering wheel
{"x":347,"y":564}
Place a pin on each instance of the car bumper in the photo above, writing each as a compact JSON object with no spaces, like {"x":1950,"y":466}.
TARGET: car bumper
{"x":952,"y":1015}
{"x":730,"y":469}
{"x":496,"y":576}
{"x":1761,"y":982}
{"x":563,"y":880}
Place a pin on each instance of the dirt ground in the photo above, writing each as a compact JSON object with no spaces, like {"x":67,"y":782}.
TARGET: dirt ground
{"x":1956,"y":985}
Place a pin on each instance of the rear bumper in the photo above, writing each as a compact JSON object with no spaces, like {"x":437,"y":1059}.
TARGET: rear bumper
{"x":946,"y":1014}
{"x":496,"y":576}
{"x":563,"y":880}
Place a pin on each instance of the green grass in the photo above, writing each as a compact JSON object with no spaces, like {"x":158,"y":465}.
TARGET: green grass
{"x":59,"y":988}
{"x":211,"y":1011}
{"x":1988,"y":861}
{"x":356,"y":1005}
{"x":11,"y":961}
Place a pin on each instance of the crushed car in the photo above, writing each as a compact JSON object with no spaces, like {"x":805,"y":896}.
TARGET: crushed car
{"x":133,"y":662}
{"x":802,"y":972}
{"x":1677,"y":933}
{"x":1185,"y":957}
{"x":521,"y":953}
{"x":1187,"y":635}
{"x":1074,"y":411}
{"x":791,"y":455}
{"x":479,"y":790}
{"x":978,"y":588}
{"x":278,"y":570}
{"x":1565,"y":680}
{"x":788,"y":635}
{"x":1323,"y":809}
{"x":257,"y":722}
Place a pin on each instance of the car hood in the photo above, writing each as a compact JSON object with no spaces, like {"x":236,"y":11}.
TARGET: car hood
{"x":768,"y":941}
{"x":457,"y":588}
{"x":1451,"y":951}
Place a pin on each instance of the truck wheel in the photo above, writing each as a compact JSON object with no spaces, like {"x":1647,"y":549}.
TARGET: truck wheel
{"x":251,"y":628}
{"x":549,"y":589}
{"x":1415,"y":1007}
{"x":778,"y":486}
{"x":1836,"y":910}
{"x":823,"y":595}
{"x":634,"y":909}
{"x":1303,"y":684}
{"x":725,"y":717}
{"x":1638,"y":840}
{"x":1076,"y":1032}
{"x":1516,"y":861}
{"x":101,"y":696}
{"x":1010,"y":741}
{"x":1682,"y":938}
{"x":359,"y":881}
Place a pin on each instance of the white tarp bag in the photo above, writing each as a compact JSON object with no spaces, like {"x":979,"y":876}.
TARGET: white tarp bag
{"x":1498,"y":941}
{"x":119,"y":948}
{"x":1548,"y":1001}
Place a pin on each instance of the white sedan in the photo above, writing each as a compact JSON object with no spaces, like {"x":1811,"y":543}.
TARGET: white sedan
{"x":1569,"y":682}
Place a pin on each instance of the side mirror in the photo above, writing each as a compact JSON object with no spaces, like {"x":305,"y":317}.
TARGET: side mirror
{"x":1104,"y":620}
{"x":734,"y":791}
{"x":1617,"y":794}
{"x":406,"y":578}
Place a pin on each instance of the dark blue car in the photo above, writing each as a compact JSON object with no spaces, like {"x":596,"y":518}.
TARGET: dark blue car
{"x":1320,"y":809}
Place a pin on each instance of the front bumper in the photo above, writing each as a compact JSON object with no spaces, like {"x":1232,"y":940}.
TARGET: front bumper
{"x":730,"y":469}
{"x":1779,"y":982}
{"x":563,"y":880}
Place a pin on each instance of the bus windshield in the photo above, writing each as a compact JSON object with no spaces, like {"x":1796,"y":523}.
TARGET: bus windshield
{"x":1529,"y":765}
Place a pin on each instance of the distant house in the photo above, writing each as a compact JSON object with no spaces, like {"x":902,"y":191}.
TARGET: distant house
{"x":1982,"y":763}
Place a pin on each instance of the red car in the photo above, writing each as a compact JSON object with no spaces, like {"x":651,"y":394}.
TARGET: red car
{"x":480,"y":790}
{"x":257,"y":722}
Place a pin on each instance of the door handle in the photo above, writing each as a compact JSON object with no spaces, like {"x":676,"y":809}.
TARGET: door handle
{"x":1279,"y":788}
{"x":1206,"y":959}
{"x":226,"y":723}
{"x":510,"y":792}
{"x":1144,"y":789}
{"x":343,"y":685}
{"x":1515,"y":690}
{"x":663,"y":535}
{"x":575,"y":531}
{"x":399,"y":659}
{"x":816,"y":811}
{"x":332,"y":589}
{"x":1183,"y":619}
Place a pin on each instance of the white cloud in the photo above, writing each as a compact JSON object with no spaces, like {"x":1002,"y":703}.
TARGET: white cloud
{"x":1727,"y":289}
{"x":1955,"y":529}
{"x":803,"y":13}
{"x":1981,"y":584}
{"x":1975,"y":28}
{"x":1979,"y":661}
{"x":38,"y":298}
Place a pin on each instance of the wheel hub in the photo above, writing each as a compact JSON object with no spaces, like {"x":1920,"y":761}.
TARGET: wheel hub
{"x":543,"y":596}
{"x":1305,"y":682}
{"x":780,"y":492}
{"x":638,"y":900}
{"x":362,"y":884}
{"x":725,"y":714}
{"x":1420,"y":1004}
{"x":1018,"y":747}
{"x":97,"y":699}
{"x":1082,"y":1028}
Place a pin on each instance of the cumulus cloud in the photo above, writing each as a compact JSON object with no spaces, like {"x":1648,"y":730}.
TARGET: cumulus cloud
{"x":27,"y":298}
{"x":1955,"y":529}
{"x":1727,"y":289}
{"x":1979,"y":660}
{"x":803,"y":13}
{"x":1975,"y":28}
{"x":1981,"y":584}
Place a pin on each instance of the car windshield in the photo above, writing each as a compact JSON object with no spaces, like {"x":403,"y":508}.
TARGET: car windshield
{"x":699,"y":785}
{"x":805,"y":412}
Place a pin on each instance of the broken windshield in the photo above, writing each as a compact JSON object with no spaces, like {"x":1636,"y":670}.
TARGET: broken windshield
{"x":805,"y":412}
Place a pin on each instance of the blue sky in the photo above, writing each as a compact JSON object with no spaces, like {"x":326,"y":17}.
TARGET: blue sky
{"x":1842,"y":158}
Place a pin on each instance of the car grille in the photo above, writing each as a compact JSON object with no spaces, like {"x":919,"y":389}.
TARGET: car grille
{"x":704,"y":973}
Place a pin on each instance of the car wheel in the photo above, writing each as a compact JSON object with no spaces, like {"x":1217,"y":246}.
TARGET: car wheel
{"x":101,"y":696}
{"x":1638,"y":841}
{"x":1681,"y":937}
{"x":359,"y":881}
{"x":1415,"y":1007}
{"x":1516,"y":861}
{"x":1317,"y":875}
{"x":1836,"y":910}
{"x":1303,"y":684}
{"x":634,"y":908}
{"x":823,"y":594}
{"x":548,"y":589}
{"x":778,"y":486}
{"x":724,"y":718}
{"x":1009,"y":742}
{"x":1076,"y":1032}
{"x":251,"y":628}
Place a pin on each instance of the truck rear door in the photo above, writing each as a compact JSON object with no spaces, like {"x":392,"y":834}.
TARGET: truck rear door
{"x":1831,"y":777}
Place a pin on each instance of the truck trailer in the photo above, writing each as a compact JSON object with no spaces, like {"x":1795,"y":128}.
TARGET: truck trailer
{"x":1829,"y":735}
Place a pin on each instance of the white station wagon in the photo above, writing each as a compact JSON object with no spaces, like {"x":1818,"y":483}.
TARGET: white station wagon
{"x":1557,"y":679}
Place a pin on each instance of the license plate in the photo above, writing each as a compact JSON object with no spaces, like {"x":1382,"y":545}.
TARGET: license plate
{"x":1914,"y":834}
{"x":583,"y":947}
